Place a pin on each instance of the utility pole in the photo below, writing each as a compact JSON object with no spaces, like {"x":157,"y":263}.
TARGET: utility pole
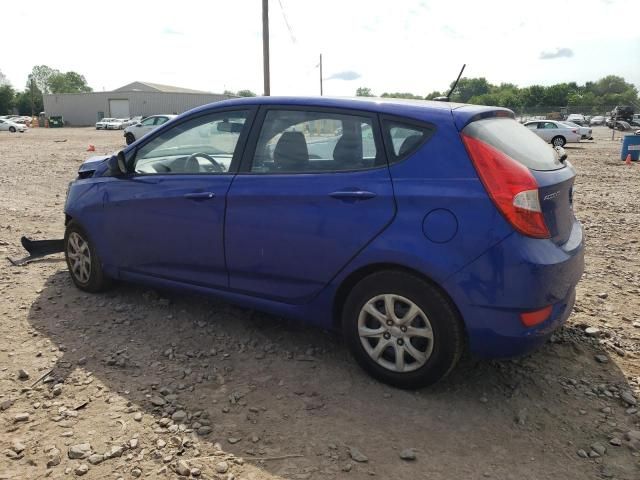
{"x":320,"y":74}
{"x":31,"y":89}
{"x":265,"y":46}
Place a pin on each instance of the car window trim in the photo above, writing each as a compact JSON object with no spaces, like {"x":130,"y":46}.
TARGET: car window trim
{"x":252,"y":141}
{"x":392,"y":158}
{"x":238,"y":151}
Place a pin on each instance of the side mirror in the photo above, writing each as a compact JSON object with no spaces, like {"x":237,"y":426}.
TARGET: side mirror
{"x":562,"y":155}
{"x":118,"y":164}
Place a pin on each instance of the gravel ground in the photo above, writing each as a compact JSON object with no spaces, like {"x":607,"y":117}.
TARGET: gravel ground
{"x":138,"y":383}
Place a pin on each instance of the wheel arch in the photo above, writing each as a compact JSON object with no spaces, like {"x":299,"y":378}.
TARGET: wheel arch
{"x":357,"y":275}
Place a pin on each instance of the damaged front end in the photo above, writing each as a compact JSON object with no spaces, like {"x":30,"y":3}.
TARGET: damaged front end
{"x":99,"y":165}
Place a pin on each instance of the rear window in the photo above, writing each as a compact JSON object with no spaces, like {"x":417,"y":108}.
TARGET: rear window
{"x":403,"y":138}
{"x":517,"y":141}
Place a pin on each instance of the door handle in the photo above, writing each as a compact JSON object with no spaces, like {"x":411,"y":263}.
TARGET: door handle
{"x":199,"y":195}
{"x":352,"y":195}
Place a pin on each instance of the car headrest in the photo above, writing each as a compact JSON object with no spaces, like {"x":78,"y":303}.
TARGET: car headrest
{"x":409,"y":144}
{"x":291,"y":152}
{"x":348,"y":150}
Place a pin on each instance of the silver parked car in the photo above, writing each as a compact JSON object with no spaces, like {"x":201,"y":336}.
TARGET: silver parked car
{"x":11,"y":126}
{"x":585,"y":132}
{"x":554,"y":132}
{"x":134,"y":132}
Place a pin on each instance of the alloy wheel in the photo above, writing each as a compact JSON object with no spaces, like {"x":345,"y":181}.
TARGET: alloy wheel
{"x":79,"y":257}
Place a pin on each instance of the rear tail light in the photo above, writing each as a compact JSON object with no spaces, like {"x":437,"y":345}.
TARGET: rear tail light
{"x":510,"y":186}
{"x":531,"y":319}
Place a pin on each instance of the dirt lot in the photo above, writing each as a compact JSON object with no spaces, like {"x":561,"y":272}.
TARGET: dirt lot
{"x":159,"y":384}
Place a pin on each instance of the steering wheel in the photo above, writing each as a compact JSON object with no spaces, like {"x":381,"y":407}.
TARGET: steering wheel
{"x":192,"y":164}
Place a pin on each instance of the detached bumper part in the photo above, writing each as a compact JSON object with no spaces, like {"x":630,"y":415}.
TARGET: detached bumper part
{"x":37,"y":249}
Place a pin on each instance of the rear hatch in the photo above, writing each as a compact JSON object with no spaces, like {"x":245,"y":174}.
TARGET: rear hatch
{"x":553,"y":178}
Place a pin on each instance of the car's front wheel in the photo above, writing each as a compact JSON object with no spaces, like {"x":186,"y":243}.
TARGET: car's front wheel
{"x":558,"y":141}
{"x":129,"y":138}
{"x":12,"y":129}
{"x":82,"y":259}
{"x":402,"y":330}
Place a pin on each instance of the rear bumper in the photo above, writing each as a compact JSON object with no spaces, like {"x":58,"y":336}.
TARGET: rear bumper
{"x":516,"y":276}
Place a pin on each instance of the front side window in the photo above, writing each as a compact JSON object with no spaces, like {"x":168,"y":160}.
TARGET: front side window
{"x":202,"y":145}
{"x":161,"y":120}
{"x":149,"y":122}
{"x":404,"y":139}
{"x":304,"y":142}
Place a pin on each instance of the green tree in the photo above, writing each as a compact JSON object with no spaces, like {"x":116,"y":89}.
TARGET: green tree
{"x":401,"y":95}
{"x":364,"y":92}
{"x":6,"y":98}
{"x":469,"y":87}
{"x":245,"y":93}
{"x":434,"y":94}
{"x":40,"y":75}
{"x":68,"y":82}
{"x":23,"y":102}
{"x":613,"y":84}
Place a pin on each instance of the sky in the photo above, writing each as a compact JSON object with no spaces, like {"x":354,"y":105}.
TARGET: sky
{"x":388,"y":46}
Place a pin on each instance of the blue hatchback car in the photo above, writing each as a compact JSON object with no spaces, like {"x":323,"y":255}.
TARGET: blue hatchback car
{"x":417,"y":228}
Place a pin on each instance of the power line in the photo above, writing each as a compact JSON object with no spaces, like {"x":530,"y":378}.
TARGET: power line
{"x":286,"y":22}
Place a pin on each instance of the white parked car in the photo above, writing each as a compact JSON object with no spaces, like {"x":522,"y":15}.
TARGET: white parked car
{"x":8,"y":125}
{"x":554,"y":132}
{"x":577,"y":118}
{"x":102,"y":124}
{"x":133,"y":120}
{"x":585,"y":132}
{"x":597,"y":120}
{"x":134,"y":132}
{"x":116,"y":124}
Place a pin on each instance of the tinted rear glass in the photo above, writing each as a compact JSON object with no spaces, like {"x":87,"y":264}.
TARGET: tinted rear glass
{"x":517,"y":141}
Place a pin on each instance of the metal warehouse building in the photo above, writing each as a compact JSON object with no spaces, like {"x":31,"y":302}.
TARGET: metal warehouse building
{"x":137,"y":98}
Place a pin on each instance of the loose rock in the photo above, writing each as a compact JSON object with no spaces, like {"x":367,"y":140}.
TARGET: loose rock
{"x":79,"y":451}
{"x":21,"y":417}
{"x":222,"y":467}
{"x":601,"y":358}
{"x":408,"y":454}
{"x":357,"y":455}
{"x":628,"y":397}
{"x":81,"y":469}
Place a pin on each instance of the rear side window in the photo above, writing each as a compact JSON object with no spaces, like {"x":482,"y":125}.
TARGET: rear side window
{"x":403,"y":139}
{"x":297,"y":141}
{"x":515,"y":140}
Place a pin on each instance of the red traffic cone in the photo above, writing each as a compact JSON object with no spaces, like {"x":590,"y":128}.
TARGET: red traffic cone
{"x":628,"y":159}
{"x":92,"y":148}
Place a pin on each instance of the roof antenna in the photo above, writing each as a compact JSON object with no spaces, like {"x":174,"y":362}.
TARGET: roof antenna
{"x":455,"y":84}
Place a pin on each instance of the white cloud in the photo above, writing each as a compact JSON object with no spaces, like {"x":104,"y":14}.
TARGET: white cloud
{"x":405,"y":45}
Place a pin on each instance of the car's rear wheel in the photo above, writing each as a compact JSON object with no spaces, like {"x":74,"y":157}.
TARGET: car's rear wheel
{"x":402,"y":330}
{"x":12,"y":129}
{"x":83,"y":262}
{"x":129,"y":138}
{"x":558,"y":141}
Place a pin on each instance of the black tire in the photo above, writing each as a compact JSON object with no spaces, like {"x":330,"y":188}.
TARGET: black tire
{"x":12,"y":129}
{"x":558,"y":141}
{"x":129,"y":138}
{"x":446,"y":325}
{"x":97,"y":281}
